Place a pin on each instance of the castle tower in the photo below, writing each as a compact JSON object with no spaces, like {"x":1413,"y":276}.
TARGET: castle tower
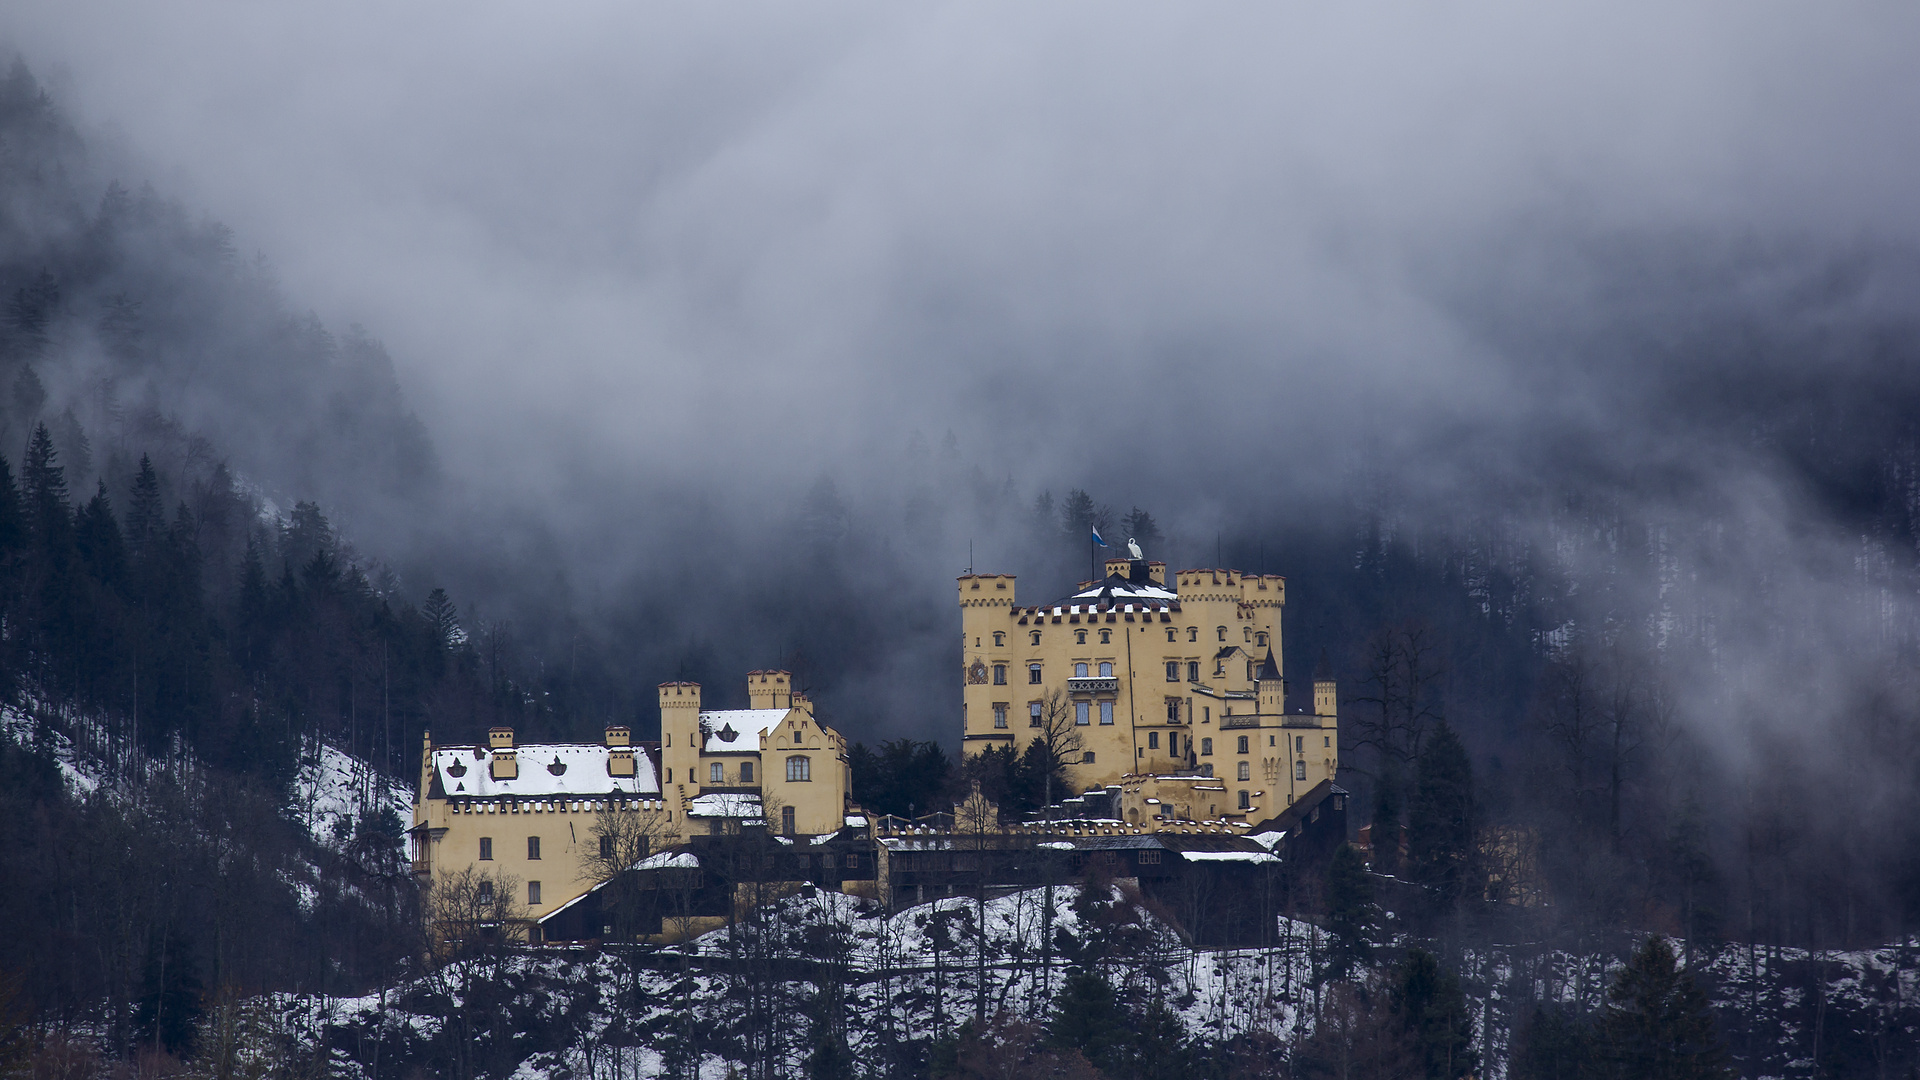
{"x":679,"y":739}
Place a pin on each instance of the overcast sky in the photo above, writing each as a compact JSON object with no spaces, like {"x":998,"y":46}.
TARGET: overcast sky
{"x":778,"y":237}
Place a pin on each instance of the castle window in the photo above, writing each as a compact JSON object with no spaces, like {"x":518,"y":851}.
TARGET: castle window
{"x":1269,"y":740}
{"x":1243,"y":744}
{"x":1260,"y":639}
{"x":1220,"y":667}
{"x":1106,"y":637}
{"x":1106,"y":669}
{"x":1080,"y":713}
{"x":1245,"y":803}
{"x":1223,"y":633}
{"x":486,"y":849}
{"x":786,"y":820}
{"x":1086,"y":758}
{"x":1299,"y":770}
{"x":1149,"y":858}
{"x":1251,"y":675}
{"x":1080,"y":670}
{"x":533,"y":847}
{"x":486,"y":892}
{"x":1000,"y":715}
{"x":1106,"y":712}
{"x":1000,"y":638}
{"x":1036,"y":637}
{"x":1193,"y":633}
{"x":1079,"y":637}
{"x":1207,"y":770}
{"x":1299,"y":744}
{"x":746,"y":768}
{"x":1173,"y":671}
{"x":999,"y":674}
{"x":1173,"y":710}
{"x":533,"y":892}
{"x":606,"y":847}
{"x":669,"y":776}
{"x":799,"y":769}
{"x":1033,"y":714}
{"x":1170,"y":636}
{"x":1246,"y":771}
{"x":1326,"y":740}
{"x":716,"y":773}
{"x":1246,"y":633}
{"x":1033,"y":670}
{"x":1206,"y":747}
{"x":1193,"y":671}
{"x":1153,"y":740}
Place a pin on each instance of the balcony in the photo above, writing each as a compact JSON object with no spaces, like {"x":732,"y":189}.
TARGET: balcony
{"x":1097,"y":684}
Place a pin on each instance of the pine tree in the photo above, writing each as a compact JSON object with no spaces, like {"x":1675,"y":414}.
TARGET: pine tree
{"x":1434,"y":1010}
{"x":1142,"y":529}
{"x":45,"y":484}
{"x":1352,"y":918}
{"x":146,"y":513}
{"x":1440,"y":819}
{"x":1657,"y":1024}
{"x":1088,"y":1017}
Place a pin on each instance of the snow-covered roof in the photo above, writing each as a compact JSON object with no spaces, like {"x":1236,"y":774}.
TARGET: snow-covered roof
{"x":669,"y":860}
{"x":856,"y":821}
{"x":1229,"y":856}
{"x":1121,"y":590}
{"x":738,"y":730}
{"x":545,"y":769}
{"x":725,"y":805}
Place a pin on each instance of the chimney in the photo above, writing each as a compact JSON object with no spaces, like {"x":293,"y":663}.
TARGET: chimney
{"x":504,"y":766}
{"x":769,"y":690}
{"x":1157,"y":572}
{"x":619,"y":736}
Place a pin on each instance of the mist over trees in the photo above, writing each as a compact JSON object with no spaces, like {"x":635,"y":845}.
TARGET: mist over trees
{"x":1648,"y":654}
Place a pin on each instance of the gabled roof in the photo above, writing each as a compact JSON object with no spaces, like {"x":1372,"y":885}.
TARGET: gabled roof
{"x":735,"y":731}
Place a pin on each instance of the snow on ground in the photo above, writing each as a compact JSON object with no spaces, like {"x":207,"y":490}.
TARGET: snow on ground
{"x":333,"y":789}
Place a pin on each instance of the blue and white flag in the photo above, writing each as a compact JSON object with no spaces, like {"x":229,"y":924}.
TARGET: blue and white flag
{"x":1096,"y":536}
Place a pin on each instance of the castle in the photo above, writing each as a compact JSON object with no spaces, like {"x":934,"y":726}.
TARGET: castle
{"x":1168,"y":696}
{"x":549,"y":821}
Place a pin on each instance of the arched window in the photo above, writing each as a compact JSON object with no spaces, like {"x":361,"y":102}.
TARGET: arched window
{"x":1193,"y":633}
{"x":1245,"y":803}
{"x":1106,"y":669}
{"x":1033,"y":673}
{"x":1080,"y":713}
{"x":1036,"y":636}
{"x":1173,"y":671}
{"x":1206,"y":747}
{"x":799,"y":768}
{"x":1299,"y":770}
{"x":716,"y":773}
{"x":1080,"y":670}
{"x":1222,"y":631}
{"x":1246,"y":633}
{"x":999,"y":674}
{"x":1260,"y":639}
{"x":1080,"y":637}
{"x":1000,"y":637}
{"x":1246,"y":771}
{"x":1106,"y":637}
{"x":1243,"y":744}
{"x":1170,"y":633}
{"x":1193,"y":671}
{"x":746,"y":772}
